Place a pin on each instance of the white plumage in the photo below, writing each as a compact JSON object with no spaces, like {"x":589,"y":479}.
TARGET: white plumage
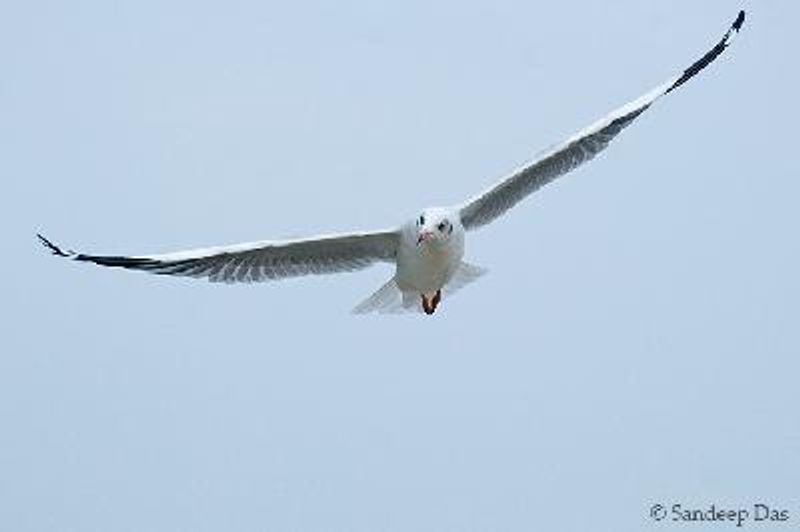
{"x":428,"y":251}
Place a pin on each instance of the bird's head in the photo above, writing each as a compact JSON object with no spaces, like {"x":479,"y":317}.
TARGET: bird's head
{"x":434,"y":226}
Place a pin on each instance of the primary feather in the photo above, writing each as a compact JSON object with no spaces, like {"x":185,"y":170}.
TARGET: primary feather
{"x":579,"y":148}
{"x":259,"y":261}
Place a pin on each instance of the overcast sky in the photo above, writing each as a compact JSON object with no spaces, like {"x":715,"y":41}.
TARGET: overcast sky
{"x":636,"y":341}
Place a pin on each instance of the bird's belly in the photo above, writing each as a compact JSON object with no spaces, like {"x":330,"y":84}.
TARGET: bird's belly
{"x":425,"y":272}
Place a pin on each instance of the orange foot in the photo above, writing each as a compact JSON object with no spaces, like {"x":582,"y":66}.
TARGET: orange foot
{"x":429,"y":305}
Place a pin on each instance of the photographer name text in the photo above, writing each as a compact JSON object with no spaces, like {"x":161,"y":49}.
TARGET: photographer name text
{"x":759,"y":513}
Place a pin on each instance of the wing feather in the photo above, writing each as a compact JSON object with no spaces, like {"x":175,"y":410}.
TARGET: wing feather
{"x":579,"y":148}
{"x":259,"y":261}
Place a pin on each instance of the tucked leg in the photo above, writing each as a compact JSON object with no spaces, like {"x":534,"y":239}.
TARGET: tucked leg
{"x":427,"y":305}
{"x":437,"y":297}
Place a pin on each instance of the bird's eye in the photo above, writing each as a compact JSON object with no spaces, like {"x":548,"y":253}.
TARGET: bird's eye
{"x":442,"y":226}
{"x":422,"y":220}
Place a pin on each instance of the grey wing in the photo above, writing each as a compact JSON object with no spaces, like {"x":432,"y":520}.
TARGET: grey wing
{"x":579,"y":148}
{"x":259,"y":261}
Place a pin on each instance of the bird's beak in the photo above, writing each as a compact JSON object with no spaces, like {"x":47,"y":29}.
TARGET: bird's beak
{"x":424,"y":236}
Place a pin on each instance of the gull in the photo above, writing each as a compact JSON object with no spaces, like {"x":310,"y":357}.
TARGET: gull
{"x":428,"y":250}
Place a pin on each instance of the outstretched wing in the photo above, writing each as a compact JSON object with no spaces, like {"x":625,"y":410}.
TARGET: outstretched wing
{"x":579,"y":148}
{"x":259,"y":261}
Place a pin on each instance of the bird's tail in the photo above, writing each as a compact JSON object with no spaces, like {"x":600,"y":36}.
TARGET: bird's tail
{"x":388,"y":298}
{"x":465,"y":274}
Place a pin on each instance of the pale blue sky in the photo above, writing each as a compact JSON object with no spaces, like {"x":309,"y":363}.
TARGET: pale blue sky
{"x":636,"y":340}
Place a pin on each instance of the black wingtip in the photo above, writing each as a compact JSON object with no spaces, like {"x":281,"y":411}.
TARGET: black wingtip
{"x":737,"y":24}
{"x":55,"y":250}
{"x":711,"y":55}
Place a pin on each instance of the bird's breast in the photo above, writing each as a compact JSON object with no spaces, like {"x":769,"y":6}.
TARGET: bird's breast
{"x":427,"y":268}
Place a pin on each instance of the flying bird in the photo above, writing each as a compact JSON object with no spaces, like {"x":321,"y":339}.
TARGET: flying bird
{"x":428,"y":250}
